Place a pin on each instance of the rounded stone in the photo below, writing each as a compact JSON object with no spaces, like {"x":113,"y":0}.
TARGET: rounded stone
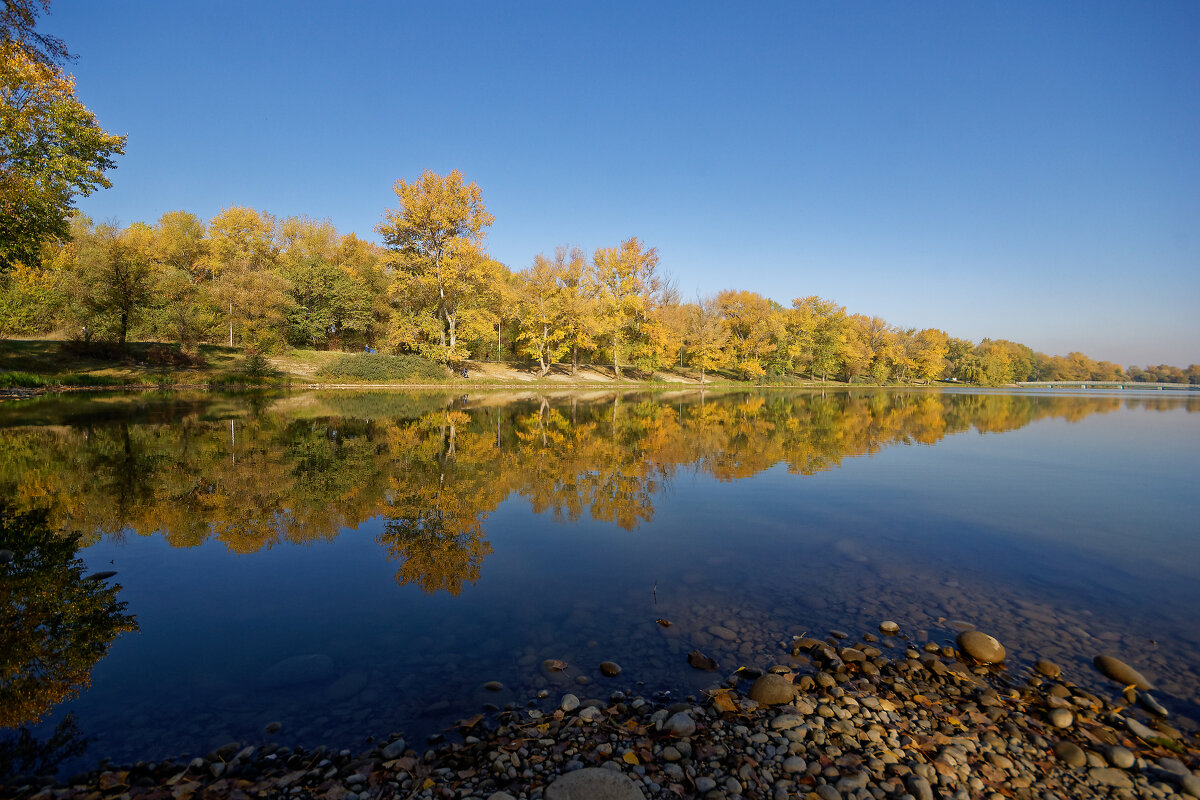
{"x":1060,"y":717}
{"x":889,"y":627}
{"x":1070,"y":754}
{"x":980,"y":647}
{"x":593,"y":783}
{"x":1047,"y":668}
{"x":494,"y":686}
{"x":1120,"y":756}
{"x":681,"y":724}
{"x":1117,"y":670}
{"x":569,"y":702}
{"x":772,"y":690}
{"x":794,"y":764}
{"x":610,"y":669}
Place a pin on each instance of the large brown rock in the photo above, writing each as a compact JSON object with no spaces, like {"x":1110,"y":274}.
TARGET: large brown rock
{"x":981,"y":647}
{"x":772,"y":690}
{"x":593,"y":783}
{"x":1117,"y":670}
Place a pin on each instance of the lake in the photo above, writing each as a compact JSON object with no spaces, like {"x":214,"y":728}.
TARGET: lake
{"x":318,"y":568}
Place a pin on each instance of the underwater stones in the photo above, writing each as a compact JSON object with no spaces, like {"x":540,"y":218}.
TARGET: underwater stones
{"x":610,"y":669}
{"x":297,"y":670}
{"x":980,"y":647}
{"x":1117,"y":670}
{"x":347,"y":686}
{"x":888,"y":627}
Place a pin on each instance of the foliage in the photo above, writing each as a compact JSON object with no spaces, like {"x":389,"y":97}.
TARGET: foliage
{"x":379,"y":368}
{"x":436,"y":238}
{"x":51,"y":150}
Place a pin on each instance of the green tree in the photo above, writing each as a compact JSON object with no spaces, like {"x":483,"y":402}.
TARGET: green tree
{"x":112,"y":279}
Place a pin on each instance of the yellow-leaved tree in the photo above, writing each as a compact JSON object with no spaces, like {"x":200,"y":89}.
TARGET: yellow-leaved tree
{"x":51,"y":149}
{"x":436,"y":243}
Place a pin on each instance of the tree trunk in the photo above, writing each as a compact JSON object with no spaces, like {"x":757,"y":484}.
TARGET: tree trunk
{"x":574,"y":358}
{"x":124,"y":327}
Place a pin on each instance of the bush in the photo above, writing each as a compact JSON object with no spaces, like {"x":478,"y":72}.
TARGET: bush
{"x":369,"y":367}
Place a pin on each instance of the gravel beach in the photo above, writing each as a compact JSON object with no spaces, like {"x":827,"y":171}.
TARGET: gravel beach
{"x":879,"y":716}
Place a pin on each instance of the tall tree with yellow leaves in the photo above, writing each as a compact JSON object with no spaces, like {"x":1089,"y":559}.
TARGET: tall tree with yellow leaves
{"x":436,"y":239}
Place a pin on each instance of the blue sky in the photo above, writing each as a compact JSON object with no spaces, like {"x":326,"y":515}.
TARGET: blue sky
{"x":1028,"y":171}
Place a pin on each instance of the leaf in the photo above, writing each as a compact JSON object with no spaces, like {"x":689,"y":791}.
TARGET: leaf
{"x":666,"y":623}
{"x":701,"y":661}
{"x":554,"y":665}
{"x":629,"y":758}
{"x":470,"y":722}
{"x":723,"y":701}
{"x":428,"y":784}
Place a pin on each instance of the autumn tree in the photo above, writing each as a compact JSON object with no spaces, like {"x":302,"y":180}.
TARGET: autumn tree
{"x":178,"y":250}
{"x":246,"y":289}
{"x":52,"y":149}
{"x":707,"y":335}
{"x":626,"y":283}
{"x":539,"y":311}
{"x":436,"y":238}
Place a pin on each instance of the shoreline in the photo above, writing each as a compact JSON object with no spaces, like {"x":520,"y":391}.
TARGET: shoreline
{"x":873,"y":717}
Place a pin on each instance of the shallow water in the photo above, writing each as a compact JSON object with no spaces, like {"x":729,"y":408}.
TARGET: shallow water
{"x":423,"y":545}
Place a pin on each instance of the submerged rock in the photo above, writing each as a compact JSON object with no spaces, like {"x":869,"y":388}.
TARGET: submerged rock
{"x":297,"y":670}
{"x":1117,"y":670}
{"x":610,"y":669}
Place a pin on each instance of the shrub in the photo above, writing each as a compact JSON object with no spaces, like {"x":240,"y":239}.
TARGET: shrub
{"x":369,"y":367}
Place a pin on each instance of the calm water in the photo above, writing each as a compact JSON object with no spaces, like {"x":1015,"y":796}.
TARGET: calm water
{"x":416,"y":546}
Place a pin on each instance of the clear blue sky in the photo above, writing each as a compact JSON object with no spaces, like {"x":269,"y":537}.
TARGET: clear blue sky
{"x":1028,"y":171}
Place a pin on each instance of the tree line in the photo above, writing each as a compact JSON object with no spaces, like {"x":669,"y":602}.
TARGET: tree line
{"x":249,"y":279}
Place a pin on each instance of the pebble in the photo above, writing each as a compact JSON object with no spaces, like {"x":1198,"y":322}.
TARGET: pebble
{"x":980,"y":647}
{"x":1047,"y":668}
{"x":1060,"y":717}
{"x":1119,"y":756}
{"x":610,"y":669}
{"x":569,"y":702}
{"x":1110,"y":776}
{"x":394,"y":750}
{"x":681,"y":724}
{"x":1070,"y":753}
{"x":889,"y":627}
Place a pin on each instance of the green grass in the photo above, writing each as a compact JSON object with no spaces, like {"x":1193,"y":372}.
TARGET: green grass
{"x":374,"y":368}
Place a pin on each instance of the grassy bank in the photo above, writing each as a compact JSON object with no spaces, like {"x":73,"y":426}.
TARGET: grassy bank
{"x":47,"y":364}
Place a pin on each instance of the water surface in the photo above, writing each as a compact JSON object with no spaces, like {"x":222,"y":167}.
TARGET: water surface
{"x":416,"y":546}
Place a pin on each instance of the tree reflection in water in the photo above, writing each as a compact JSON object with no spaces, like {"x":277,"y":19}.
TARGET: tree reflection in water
{"x":55,"y":625}
{"x":434,"y":468}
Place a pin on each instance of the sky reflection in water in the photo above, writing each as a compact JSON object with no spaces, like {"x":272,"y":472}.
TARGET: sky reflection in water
{"x":427,"y":544}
